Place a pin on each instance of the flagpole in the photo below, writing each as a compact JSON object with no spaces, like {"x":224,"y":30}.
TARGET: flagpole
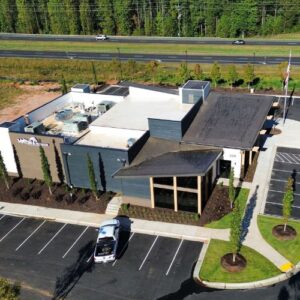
{"x":286,"y":86}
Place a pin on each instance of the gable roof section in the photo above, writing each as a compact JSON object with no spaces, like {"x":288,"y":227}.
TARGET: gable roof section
{"x":229,"y":121}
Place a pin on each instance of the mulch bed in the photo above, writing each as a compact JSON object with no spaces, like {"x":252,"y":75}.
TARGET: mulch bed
{"x":217,"y":206}
{"x":34,"y":192}
{"x":230,"y":266}
{"x":289,"y":234}
{"x":159,"y":214}
{"x":275,"y":131}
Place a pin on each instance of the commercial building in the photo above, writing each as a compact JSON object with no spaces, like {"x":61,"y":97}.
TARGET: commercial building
{"x":157,"y":146}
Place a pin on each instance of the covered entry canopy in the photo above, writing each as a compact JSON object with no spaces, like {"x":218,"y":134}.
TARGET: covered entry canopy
{"x":178,"y":163}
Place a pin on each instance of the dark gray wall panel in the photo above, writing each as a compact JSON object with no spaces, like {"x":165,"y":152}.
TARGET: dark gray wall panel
{"x":165,"y":129}
{"x":136,"y":187}
{"x":191,"y":96}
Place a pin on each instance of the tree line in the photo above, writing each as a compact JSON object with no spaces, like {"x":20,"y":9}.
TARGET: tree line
{"x":230,"y":18}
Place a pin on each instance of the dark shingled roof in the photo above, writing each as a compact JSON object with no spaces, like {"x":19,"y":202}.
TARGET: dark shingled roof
{"x":150,"y":87}
{"x":229,"y":121}
{"x":180,"y":163}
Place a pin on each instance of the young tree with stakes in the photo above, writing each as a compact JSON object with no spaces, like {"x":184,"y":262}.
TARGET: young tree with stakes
{"x":215,"y":73}
{"x":92,"y":177}
{"x":232,"y":75}
{"x":249,"y":74}
{"x":3,"y":172}
{"x":46,"y":169}
{"x":235,"y":230}
{"x":64,"y":88}
{"x":231,"y":189}
{"x":288,"y":199}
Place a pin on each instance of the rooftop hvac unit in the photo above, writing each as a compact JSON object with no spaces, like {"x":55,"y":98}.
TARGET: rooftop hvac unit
{"x":74,"y":126}
{"x":82,"y":117}
{"x":130,"y":142}
{"x":104,"y":106}
{"x":35,"y":127}
{"x":64,"y":114}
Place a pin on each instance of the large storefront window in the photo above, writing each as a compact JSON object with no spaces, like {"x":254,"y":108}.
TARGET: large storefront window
{"x":187,"y":201}
{"x":164,"y":198}
{"x":188,"y":182}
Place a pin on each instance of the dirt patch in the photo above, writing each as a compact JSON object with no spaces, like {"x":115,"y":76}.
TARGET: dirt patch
{"x":33,"y":97}
{"x":217,"y":206}
{"x":289,"y":234}
{"x":159,"y":214}
{"x":275,"y":131}
{"x":34,"y":192}
{"x":233,"y":266}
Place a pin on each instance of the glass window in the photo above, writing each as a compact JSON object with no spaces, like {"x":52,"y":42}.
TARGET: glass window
{"x":188,"y":182}
{"x":187,"y":201}
{"x":164,"y":198}
{"x":163,"y":180}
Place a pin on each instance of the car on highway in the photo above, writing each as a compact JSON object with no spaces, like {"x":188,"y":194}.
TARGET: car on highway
{"x":239,"y":42}
{"x":107,"y":241}
{"x":101,"y":37}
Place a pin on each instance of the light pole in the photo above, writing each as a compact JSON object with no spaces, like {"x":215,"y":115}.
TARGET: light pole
{"x":120,"y":63}
{"x":67,"y":154}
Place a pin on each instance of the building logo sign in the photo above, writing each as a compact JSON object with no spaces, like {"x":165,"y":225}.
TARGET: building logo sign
{"x":32,"y":142}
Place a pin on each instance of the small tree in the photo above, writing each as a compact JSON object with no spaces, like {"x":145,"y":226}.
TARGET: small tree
{"x":64,"y":88}
{"x":235,"y":230}
{"x":3,"y":172}
{"x":46,"y":169}
{"x":282,"y":71}
{"x":114,"y":66}
{"x":92,"y":177}
{"x":9,"y":291}
{"x":288,"y":199}
{"x":232,"y":75}
{"x":183,"y":73}
{"x":198,"y":72}
{"x":249,"y":74}
{"x":153,"y":66}
{"x":94,"y":74}
{"x":231,"y":189}
{"x":215,"y":73}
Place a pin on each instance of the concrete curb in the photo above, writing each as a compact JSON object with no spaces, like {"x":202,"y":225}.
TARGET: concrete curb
{"x":199,"y":263}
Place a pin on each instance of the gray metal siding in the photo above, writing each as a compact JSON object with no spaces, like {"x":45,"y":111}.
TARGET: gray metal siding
{"x":191,"y":96}
{"x":136,"y":187}
{"x":165,"y":129}
{"x":206,"y":91}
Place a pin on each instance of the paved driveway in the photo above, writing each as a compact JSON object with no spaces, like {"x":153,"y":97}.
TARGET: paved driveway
{"x":286,"y":163}
{"x":56,"y":258}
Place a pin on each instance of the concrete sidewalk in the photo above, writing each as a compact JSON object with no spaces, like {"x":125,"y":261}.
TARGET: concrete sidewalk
{"x":181,"y":231}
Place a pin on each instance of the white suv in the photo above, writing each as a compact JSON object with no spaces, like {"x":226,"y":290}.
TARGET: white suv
{"x":101,"y":37}
{"x":107,"y":241}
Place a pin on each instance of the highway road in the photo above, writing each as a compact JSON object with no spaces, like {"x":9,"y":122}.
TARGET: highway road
{"x":153,"y":40}
{"x":270,"y":60}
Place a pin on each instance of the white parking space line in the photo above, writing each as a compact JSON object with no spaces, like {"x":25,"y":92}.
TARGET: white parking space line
{"x":283,"y":180}
{"x":278,"y":158}
{"x":30,"y":235}
{"x":280,"y":204}
{"x":297,"y":157}
{"x":285,"y":171}
{"x":282,"y":192}
{"x":174,"y":258}
{"x":82,"y":233}
{"x":2,"y":217}
{"x":288,"y":158}
{"x":56,"y":234}
{"x":88,"y":260}
{"x":131,"y":236}
{"x":140,"y":268}
{"x":12,"y":229}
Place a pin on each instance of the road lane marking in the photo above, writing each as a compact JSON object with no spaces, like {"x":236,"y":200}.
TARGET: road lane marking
{"x":56,"y":234}
{"x":174,"y":258}
{"x":12,"y":230}
{"x":30,"y":235}
{"x":82,"y":233}
{"x":140,"y":268}
{"x":131,"y":236}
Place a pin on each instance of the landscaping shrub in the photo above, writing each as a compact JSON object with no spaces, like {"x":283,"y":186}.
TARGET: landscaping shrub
{"x":25,"y":195}
{"x":16,"y":191}
{"x":59,"y":197}
{"x":36,"y":194}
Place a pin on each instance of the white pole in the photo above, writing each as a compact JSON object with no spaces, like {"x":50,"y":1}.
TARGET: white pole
{"x":286,"y":86}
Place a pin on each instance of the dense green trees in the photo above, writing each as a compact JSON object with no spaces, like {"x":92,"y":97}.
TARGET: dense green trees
{"x":148,"y":17}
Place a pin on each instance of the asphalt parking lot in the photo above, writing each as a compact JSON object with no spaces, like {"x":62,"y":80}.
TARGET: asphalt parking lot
{"x":56,"y":259}
{"x":286,"y":163}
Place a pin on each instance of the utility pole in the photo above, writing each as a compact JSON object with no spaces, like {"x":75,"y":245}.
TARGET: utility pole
{"x":120,"y":62}
{"x":286,"y":86}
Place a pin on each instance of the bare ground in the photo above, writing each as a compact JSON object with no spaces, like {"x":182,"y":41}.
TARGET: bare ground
{"x":33,"y":97}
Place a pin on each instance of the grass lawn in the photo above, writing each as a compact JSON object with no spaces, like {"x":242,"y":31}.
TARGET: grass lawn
{"x":8,"y":94}
{"x":289,"y":249}
{"x":258,"y":267}
{"x":224,"y":222}
{"x":100,"y":47}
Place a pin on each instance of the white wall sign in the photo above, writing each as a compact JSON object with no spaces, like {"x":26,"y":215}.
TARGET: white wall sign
{"x":32,"y":142}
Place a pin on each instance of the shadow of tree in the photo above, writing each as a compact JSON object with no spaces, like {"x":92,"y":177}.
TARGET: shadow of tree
{"x":294,"y":282}
{"x":187,"y":288}
{"x":283,"y":294}
{"x":59,"y":167}
{"x":248,"y":215}
{"x":72,"y":274}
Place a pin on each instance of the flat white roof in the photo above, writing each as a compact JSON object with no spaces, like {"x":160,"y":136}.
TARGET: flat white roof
{"x":109,"y":137}
{"x":133,"y":112}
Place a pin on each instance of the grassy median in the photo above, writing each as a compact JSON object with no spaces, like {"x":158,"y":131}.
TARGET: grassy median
{"x":258,"y":267}
{"x":224,"y":222}
{"x":289,"y":249}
